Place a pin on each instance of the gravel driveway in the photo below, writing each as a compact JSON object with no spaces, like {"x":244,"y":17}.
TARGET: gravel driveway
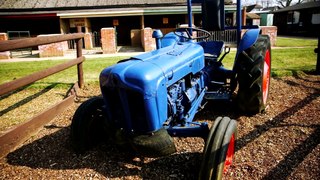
{"x":282,"y":143}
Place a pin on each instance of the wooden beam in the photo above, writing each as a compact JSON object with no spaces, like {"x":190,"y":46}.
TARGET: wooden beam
{"x":244,"y":16}
{"x":73,"y":90}
{"x":79,"y":54}
{"x":31,"y":42}
{"x":13,"y":85}
{"x":14,"y":137}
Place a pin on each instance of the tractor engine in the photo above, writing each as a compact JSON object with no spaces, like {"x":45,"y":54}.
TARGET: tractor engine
{"x":181,"y":97}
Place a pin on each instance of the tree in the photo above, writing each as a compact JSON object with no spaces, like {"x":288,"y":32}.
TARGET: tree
{"x":286,"y":3}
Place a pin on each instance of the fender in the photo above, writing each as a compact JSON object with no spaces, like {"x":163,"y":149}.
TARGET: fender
{"x":248,"y":39}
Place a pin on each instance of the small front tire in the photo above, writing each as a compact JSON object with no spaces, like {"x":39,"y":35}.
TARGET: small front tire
{"x":219,"y":149}
{"x":156,"y":144}
{"x":88,"y":127}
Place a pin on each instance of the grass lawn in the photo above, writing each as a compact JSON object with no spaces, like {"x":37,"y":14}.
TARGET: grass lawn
{"x":285,"y":61}
{"x":294,"y":42}
{"x":288,"y":62}
{"x":92,"y":69}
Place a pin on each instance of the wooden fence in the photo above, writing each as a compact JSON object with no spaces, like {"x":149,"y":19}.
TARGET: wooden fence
{"x":15,"y":136}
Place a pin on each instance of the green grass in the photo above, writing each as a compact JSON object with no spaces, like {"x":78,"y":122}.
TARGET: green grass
{"x":91,"y":68}
{"x":288,"y":62}
{"x":285,"y":62}
{"x":294,"y":42}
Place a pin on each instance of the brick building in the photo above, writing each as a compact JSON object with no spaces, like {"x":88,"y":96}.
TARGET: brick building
{"x":127,"y":17}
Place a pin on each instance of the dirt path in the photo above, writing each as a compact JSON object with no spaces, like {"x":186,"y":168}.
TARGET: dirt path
{"x":282,"y":143}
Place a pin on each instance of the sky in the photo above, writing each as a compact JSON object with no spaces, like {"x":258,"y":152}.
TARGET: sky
{"x":262,"y":2}
{"x":250,"y":2}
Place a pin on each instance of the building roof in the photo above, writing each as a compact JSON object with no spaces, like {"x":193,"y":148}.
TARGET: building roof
{"x":307,"y":5}
{"x":56,"y":4}
{"x":252,"y":7}
{"x":96,"y":8}
{"x":252,"y":16}
{"x":22,"y":7}
{"x":272,"y":8}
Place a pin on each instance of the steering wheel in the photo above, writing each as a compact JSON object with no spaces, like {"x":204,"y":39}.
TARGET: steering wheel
{"x":187,"y":30}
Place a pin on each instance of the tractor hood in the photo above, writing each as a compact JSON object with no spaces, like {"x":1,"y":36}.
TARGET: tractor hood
{"x":167,"y":64}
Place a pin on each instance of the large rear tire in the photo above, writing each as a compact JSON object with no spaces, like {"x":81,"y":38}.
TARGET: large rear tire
{"x":219,"y":149}
{"x":88,"y":127}
{"x":253,"y":69}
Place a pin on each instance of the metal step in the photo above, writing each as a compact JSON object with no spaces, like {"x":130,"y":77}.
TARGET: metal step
{"x":217,"y":95}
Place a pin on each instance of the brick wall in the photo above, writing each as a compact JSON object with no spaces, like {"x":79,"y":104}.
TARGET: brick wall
{"x":148,"y":43}
{"x":272,"y":32}
{"x":5,"y":54}
{"x":52,"y":50}
{"x":108,"y":40}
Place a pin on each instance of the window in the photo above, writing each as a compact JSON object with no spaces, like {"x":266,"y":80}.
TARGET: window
{"x":293,"y":17}
{"x":315,"y":19}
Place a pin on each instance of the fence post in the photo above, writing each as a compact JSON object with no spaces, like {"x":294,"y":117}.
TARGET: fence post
{"x":79,"y":54}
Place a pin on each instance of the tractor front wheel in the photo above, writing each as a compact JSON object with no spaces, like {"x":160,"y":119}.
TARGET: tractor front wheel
{"x":88,"y":127}
{"x":156,"y":144}
{"x":219,"y":149}
{"x":253,"y":67}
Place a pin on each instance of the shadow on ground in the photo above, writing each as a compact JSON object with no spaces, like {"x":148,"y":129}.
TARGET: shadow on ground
{"x":54,"y":151}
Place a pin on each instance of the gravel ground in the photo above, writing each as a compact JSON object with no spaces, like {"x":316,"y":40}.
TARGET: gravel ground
{"x":282,"y":143}
{"x":22,"y":105}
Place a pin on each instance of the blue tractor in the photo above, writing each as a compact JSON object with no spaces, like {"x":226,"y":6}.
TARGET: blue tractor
{"x":151,"y":98}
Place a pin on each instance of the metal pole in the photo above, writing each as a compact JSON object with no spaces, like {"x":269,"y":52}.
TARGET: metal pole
{"x":79,"y":54}
{"x":238,"y":22}
{"x":190,"y":16}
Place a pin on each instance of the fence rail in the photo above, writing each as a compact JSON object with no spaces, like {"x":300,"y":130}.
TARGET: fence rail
{"x":23,"y":131}
{"x":13,"y":85}
{"x":31,"y":42}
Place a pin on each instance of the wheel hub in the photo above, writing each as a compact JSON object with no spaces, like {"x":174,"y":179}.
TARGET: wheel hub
{"x":230,"y":154}
{"x":266,"y":77}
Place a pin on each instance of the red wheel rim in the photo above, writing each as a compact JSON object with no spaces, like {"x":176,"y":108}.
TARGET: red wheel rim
{"x":266,"y":77}
{"x":229,"y":156}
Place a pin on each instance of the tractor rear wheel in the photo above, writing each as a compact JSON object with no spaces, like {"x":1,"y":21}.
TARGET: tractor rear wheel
{"x":88,"y":127}
{"x":253,"y":69}
{"x":219,"y":149}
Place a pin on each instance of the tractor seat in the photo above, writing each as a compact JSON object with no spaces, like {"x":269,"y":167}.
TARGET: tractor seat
{"x":212,"y":47}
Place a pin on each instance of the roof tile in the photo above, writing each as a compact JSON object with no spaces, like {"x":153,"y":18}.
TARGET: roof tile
{"x":34,"y":4}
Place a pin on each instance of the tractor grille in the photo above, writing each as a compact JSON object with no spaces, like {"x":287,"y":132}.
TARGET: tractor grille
{"x":126,"y":108}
